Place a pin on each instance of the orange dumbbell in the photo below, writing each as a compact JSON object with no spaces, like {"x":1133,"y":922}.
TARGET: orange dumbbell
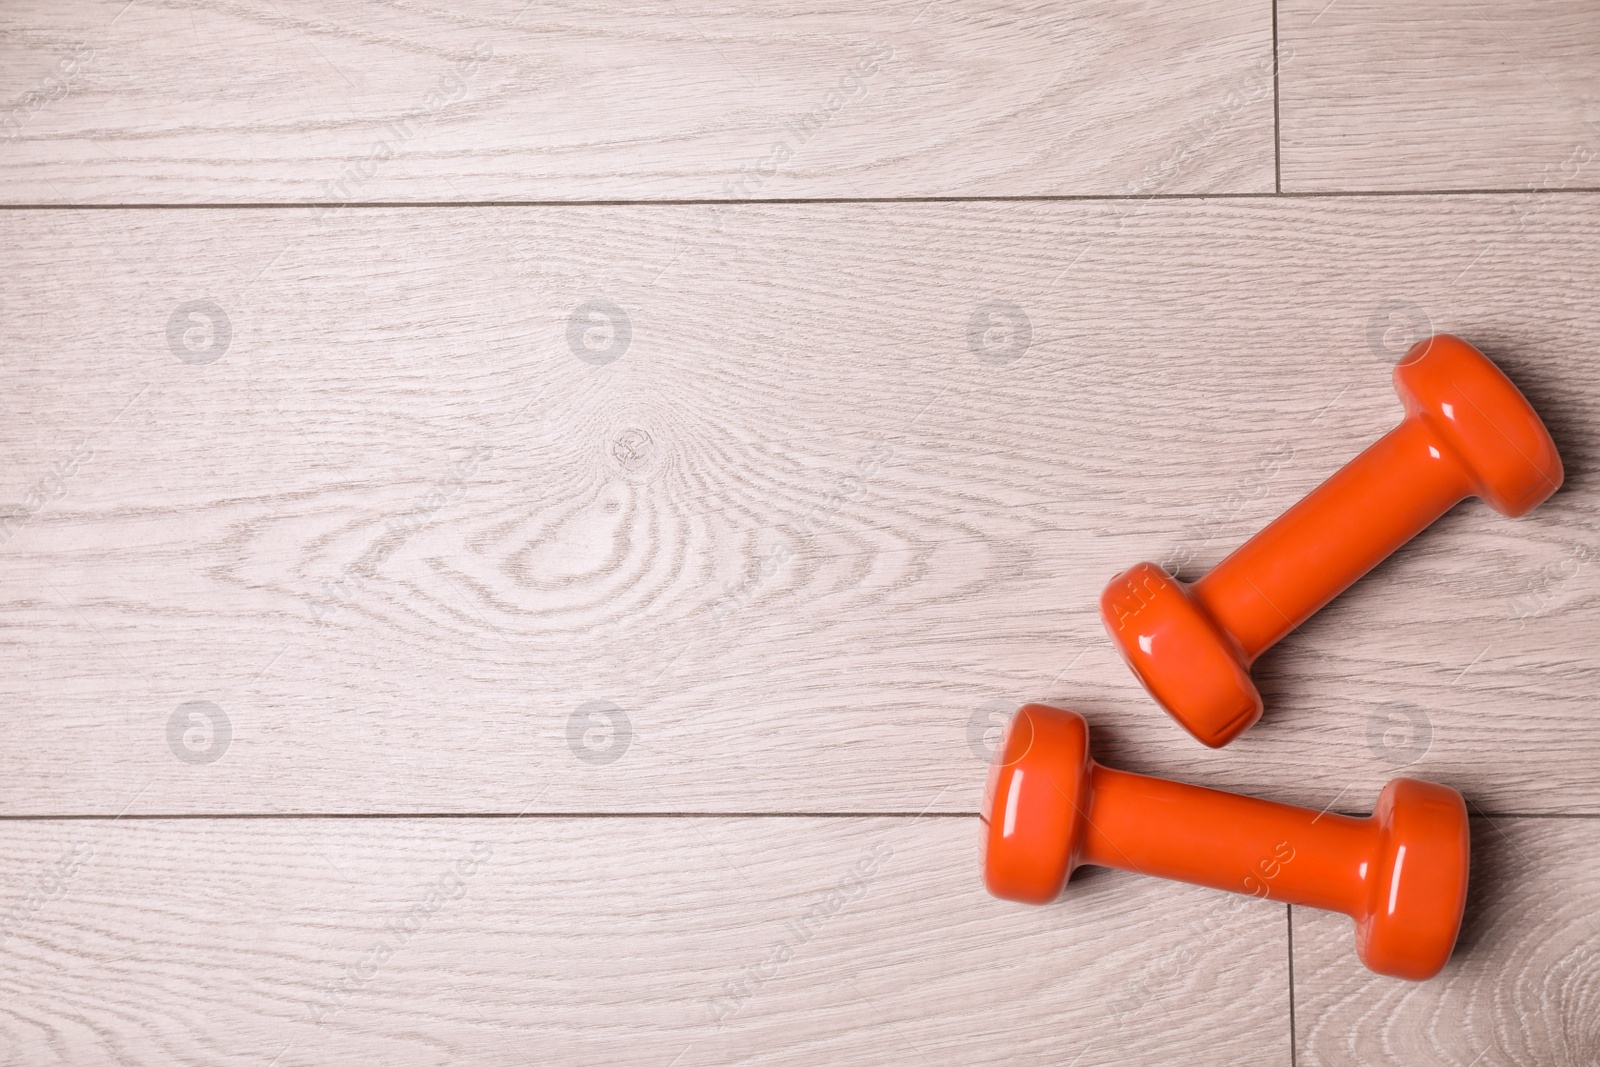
{"x":1467,"y":432}
{"x":1401,"y":874}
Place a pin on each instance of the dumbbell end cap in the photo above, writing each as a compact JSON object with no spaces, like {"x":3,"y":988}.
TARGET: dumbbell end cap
{"x":1419,"y":884}
{"x":1185,"y":661}
{"x":1488,"y":424}
{"x":1035,"y":804}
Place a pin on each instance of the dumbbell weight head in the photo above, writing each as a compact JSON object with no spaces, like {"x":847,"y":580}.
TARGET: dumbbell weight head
{"x":1187,"y":663}
{"x":1419,"y":886}
{"x":1483,"y":418}
{"x":1033,"y":832}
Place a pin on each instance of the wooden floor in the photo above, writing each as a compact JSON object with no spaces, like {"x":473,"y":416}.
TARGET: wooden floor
{"x":524,"y":520}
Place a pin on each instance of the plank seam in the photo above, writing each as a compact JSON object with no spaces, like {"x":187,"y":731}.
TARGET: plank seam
{"x":354,"y":815}
{"x":1288,"y":920}
{"x":512,"y":815}
{"x":1327,"y":194}
{"x":1277,"y":122}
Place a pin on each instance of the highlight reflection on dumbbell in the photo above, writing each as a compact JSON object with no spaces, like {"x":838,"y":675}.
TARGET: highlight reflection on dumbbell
{"x":1467,"y":432}
{"x":1400,"y":873}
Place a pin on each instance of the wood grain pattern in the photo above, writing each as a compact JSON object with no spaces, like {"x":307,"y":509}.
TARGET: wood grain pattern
{"x":605,"y":941}
{"x":300,"y":101}
{"x":811,"y":534}
{"x":1442,"y":94}
{"x":689,"y":556}
{"x":1522,"y":987}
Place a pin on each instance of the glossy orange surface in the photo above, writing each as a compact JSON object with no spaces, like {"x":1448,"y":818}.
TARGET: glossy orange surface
{"x":1401,"y":873}
{"x":1467,"y":432}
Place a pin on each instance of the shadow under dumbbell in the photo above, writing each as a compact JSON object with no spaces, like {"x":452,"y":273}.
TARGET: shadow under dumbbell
{"x":1108,"y":739}
{"x":1495,"y":862}
{"x":1088,"y":873}
{"x":1279,"y":678}
{"x":1570,"y":428}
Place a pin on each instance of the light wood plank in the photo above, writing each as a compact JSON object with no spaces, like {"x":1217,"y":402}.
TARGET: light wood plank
{"x":1521,"y":988}
{"x":849,"y":543}
{"x":301,"y":101}
{"x":578,"y":941}
{"x":1440,"y":94}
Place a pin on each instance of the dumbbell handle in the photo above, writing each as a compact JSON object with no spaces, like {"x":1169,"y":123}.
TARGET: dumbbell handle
{"x":1206,"y":837}
{"x":1345,"y":527}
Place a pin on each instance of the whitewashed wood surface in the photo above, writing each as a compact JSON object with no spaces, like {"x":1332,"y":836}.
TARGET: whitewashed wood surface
{"x":297,"y":100}
{"x":602,"y":941}
{"x":326,"y":509}
{"x":1439,"y":94}
{"x":1524,"y":983}
{"x":802,"y":533}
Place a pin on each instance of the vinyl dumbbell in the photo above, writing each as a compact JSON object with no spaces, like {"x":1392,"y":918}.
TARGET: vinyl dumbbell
{"x":1467,"y":432}
{"x":1401,"y":873}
